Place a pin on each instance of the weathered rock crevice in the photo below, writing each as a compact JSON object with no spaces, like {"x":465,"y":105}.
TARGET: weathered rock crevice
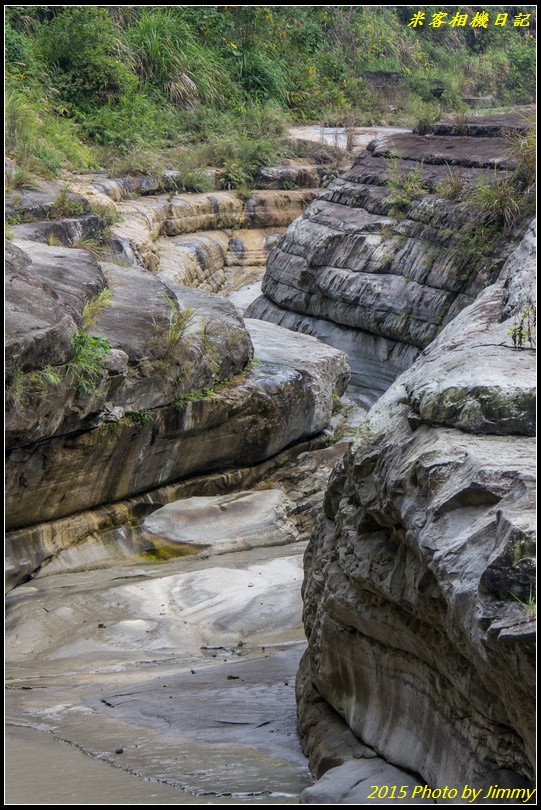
{"x":419,"y":582}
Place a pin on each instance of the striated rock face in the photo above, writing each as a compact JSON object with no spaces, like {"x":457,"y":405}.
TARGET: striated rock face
{"x":419,"y":585}
{"x":207,"y":260}
{"x":155,"y":407}
{"x":136,"y":239}
{"x":379,"y":277}
{"x":152,"y":399}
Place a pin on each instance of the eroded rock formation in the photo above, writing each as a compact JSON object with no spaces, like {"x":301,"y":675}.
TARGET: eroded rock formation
{"x":377,"y":272}
{"x":137,"y":396}
{"x":419,"y":585}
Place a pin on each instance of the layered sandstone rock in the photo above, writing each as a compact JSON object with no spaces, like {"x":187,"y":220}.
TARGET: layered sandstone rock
{"x":419,"y":587}
{"x":378,"y":274}
{"x":160,"y":405}
{"x":152,"y":398}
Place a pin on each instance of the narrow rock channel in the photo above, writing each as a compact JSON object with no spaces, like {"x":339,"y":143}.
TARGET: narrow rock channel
{"x":161,"y":507}
{"x":160,"y":662}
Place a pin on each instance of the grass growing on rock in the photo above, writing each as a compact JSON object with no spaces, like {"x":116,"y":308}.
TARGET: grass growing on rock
{"x":404,"y":187}
{"x":452,"y":185}
{"x":18,"y":177}
{"x":87,"y":365}
{"x":25,"y":386}
{"x":88,"y":242}
{"x":108,"y":212}
{"x":95,"y":306}
{"x":499,"y":201}
{"x":523,"y":333}
{"x":65,"y":204}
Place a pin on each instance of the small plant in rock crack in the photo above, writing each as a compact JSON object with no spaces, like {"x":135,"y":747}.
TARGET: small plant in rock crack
{"x":530,"y":606}
{"x":54,"y":241}
{"x":109,"y":213}
{"x":87,"y":242}
{"x":403,"y":187}
{"x":208,"y":337}
{"x":169,"y":332}
{"x":523,"y":331}
{"x":337,"y":404}
{"x":452,"y":185}
{"x":95,"y":306}
{"x":86,"y":368}
{"x":24,"y":386}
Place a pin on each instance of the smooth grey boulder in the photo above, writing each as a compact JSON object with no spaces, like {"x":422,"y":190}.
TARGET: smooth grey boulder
{"x":43,"y":307}
{"x":219,"y":524}
{"x":45,"y":302}
{"x":285,"y":397}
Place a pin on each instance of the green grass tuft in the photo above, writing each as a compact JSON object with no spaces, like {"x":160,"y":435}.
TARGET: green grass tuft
{"x":94,"y":307}
{"x":86,"y":368}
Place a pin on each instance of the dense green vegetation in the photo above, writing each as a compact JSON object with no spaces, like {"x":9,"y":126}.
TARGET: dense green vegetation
{"x":218,"y":85}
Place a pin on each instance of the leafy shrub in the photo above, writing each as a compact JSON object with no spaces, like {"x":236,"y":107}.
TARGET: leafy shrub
{"x":82,"y":45}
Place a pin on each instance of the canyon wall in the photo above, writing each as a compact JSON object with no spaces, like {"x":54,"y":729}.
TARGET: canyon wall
{"x":380,"y":262}
{"x":419,"y":589}
{"x":125,"y":373}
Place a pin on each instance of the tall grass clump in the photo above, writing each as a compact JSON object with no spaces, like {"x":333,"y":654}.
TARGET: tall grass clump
{"x":452,"y":185}
{"x":169,"y":333}
{"x":500,"y":202}
{"x":66,"y":204}
{"x":86,"y":367}
{"x":40,"y":141}
{"x":136,"y":80}
{"x":166,"y":51}
{"x":523,"y":147}
{"x":403,"y":187}
{"x":95,"y":306}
